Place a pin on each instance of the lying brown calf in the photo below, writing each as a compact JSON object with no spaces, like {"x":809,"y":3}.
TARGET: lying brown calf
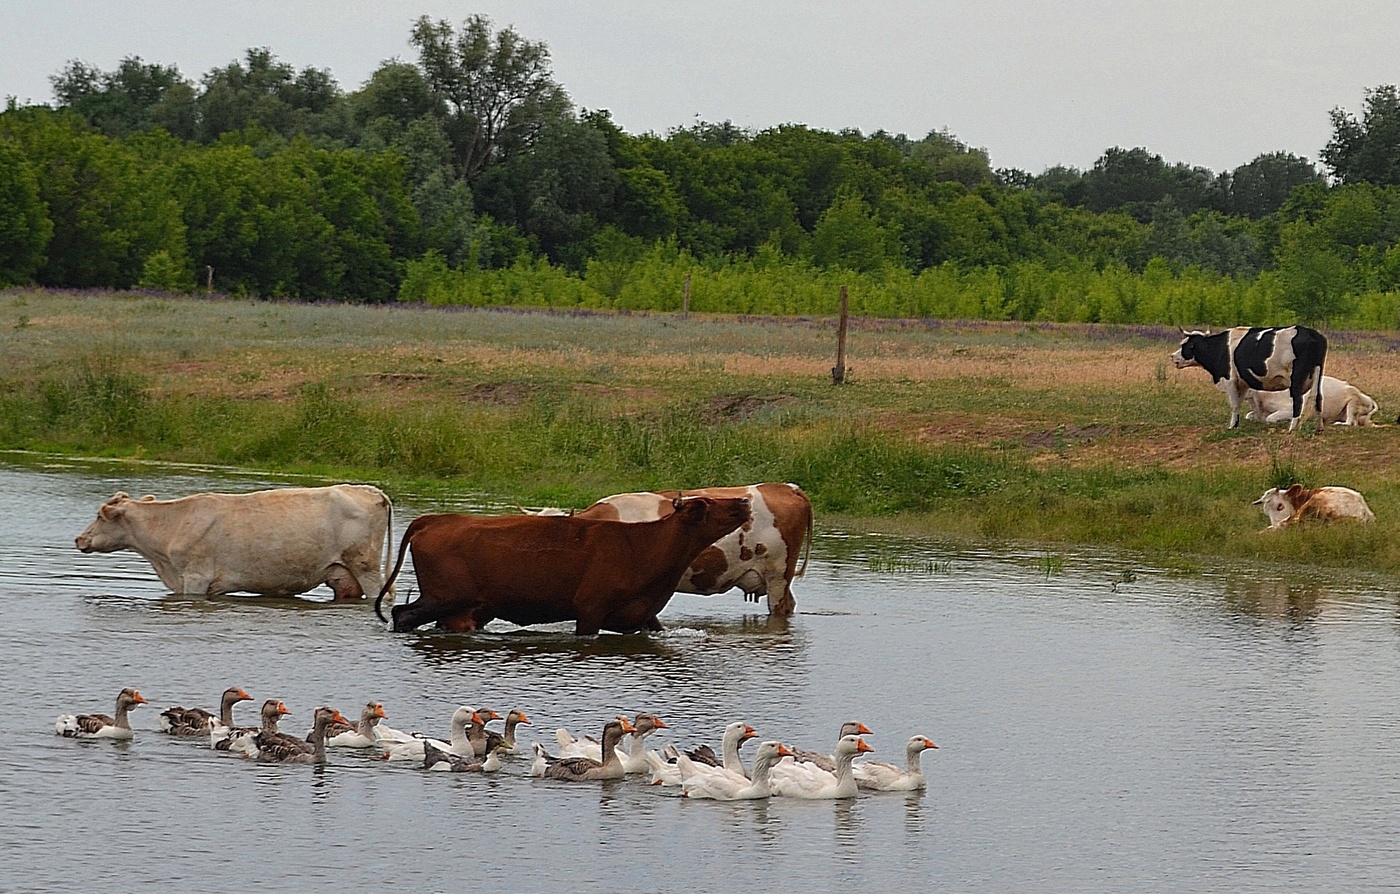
{"x":1298,"y":503}
{"x":531,"y":569}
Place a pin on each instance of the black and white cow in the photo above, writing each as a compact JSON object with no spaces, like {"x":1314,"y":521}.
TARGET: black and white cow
{"x":1287,"y":358}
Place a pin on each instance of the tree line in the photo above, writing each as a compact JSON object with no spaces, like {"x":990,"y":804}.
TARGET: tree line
{"x":469,"y":176}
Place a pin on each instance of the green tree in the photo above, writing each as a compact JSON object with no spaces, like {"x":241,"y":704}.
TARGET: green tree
{"x":849,"y":237}
{"x":1260,"y":188}
{"x":25,"y":228}
{"x":263,"y":92}
{"x":1367,"y":150}
{"x":109,"y":210}
{"x":1314,"y":278}
{"x":137,"y":96}
{"x":496,"y":90}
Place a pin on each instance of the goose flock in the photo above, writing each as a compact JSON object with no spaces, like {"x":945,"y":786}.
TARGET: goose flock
{"x":621,"y":751}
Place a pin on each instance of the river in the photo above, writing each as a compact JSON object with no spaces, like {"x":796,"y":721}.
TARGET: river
{"x":1103,"y":725}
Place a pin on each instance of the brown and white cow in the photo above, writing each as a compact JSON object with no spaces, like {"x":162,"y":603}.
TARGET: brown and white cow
{"x":1342,"y":404}
{"x":760,"y":558}
{"x":273,"y":542}
{"x":1298,"y":503}
{"x":537,"y":569}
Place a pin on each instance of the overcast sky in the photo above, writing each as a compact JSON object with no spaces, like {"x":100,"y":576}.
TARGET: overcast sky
{"x":1208,"y":82}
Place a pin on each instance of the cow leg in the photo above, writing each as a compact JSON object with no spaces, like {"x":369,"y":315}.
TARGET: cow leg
{"x":654,"y":624}
{"x":344,"y":584}
{"x":780,"y":601}
{"x":1236,"y":396}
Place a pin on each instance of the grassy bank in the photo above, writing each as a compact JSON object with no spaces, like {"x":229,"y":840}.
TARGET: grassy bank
{"x":1056,"y":434}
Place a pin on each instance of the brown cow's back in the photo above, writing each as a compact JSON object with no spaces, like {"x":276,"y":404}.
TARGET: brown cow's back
{"x":540,"y":569}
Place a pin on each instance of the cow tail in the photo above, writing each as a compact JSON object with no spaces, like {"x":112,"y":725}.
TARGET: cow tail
{"x":389,"y":543}
{"x":389,"y":581}
{"x":807,"y":546}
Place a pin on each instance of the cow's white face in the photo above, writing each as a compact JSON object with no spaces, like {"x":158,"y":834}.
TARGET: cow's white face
{"x":1276,"y":505}
{"x":106,"y":534}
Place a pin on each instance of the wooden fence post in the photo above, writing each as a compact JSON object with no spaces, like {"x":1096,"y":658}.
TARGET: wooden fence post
{"x":209,"y":281}
{"x":838,"y":372}
{"x":685,"y":298}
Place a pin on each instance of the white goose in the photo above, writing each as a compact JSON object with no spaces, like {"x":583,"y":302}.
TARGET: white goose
{"x":100,"y":726}
{"x":793,"y":780}
{"x":722,"y":785}
{"x":664,"y":772}
{"x":359,"y":735}
{"x":460,"y":745}
{"x":878,"y":776}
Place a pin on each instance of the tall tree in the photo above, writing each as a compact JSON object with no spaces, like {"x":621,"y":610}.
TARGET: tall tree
{"x":136,"y":96}
{"x":1260,"y":188}
{"x":1367,"y":150}
{"x":497,"y":89}
{"x":25,"y":228}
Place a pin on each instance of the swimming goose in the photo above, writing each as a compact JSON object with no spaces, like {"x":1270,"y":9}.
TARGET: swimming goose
{"x":794,"y":780}
{"x":412,"y":750}
{"x":578,"y":769}
{"x":435,"y":758}
{"x":827,"y":762}
{"x":506,"y":741}
{"x":239,"y":740}
{"x":100,"y":726}
{"x":476,"y":732}
{"x":664,"y":772}
{"x":282,"y":748}
{"x":359,"y":734}
{"x":632,"y":750}
{"x":178,"y":721}
{"x":722,"y":785}
{"x":878,"y":776}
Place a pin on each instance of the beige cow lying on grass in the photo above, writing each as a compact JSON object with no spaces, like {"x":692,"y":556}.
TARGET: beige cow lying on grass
{"x":1298,"y":503}
{"x":1342,"y":403}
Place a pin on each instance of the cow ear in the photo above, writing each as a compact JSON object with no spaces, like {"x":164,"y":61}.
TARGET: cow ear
{"x":1294,"y":490}
{"x":112,"y":510}
{"x":680,"y":498}
{"x":118,"y":497}
{"x":148,"y":498}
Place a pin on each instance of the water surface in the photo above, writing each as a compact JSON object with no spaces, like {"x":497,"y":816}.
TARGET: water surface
{"x":1103,"y":725}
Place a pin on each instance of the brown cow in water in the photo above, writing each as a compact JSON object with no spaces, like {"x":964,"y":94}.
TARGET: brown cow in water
{"x":532,"y":569}
{"x":760,"y":557}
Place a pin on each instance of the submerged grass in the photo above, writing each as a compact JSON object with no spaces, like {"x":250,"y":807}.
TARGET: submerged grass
{"x":995,"y":432}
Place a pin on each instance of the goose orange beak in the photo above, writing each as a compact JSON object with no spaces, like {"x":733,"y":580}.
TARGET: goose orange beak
{"x":749,"y":733}
{"x":661,"y":724}
{"x":379,"y":712}
{"x":243,"y":696}
{"x":928,"y":743}
{"x":521,"y":715}
{"x":783,"y":749}
{"x":282,"y":709}
{"x":863,"y":730}
{"x":627,"y":727}
{"x":861,"y":746}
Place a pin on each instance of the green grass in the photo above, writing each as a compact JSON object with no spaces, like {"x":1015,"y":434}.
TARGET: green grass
{"x":549,"y":409}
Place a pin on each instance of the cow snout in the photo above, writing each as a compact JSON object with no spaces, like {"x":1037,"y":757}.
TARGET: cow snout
{"x":83,"y":543}
{"x":1181,"y":362}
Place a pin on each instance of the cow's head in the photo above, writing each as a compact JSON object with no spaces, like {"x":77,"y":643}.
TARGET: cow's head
{"x":1191,"y":344}
{"x":1279,"y":505}
{"x":106,"y":534}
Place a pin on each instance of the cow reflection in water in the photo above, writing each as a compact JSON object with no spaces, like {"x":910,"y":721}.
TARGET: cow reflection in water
{"x":1276,"y":599}
{"x":530,"y":569}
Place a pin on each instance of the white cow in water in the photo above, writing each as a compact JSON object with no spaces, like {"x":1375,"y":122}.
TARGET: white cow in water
{"x":1342,"y":403}
{"x":272,"y":542}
